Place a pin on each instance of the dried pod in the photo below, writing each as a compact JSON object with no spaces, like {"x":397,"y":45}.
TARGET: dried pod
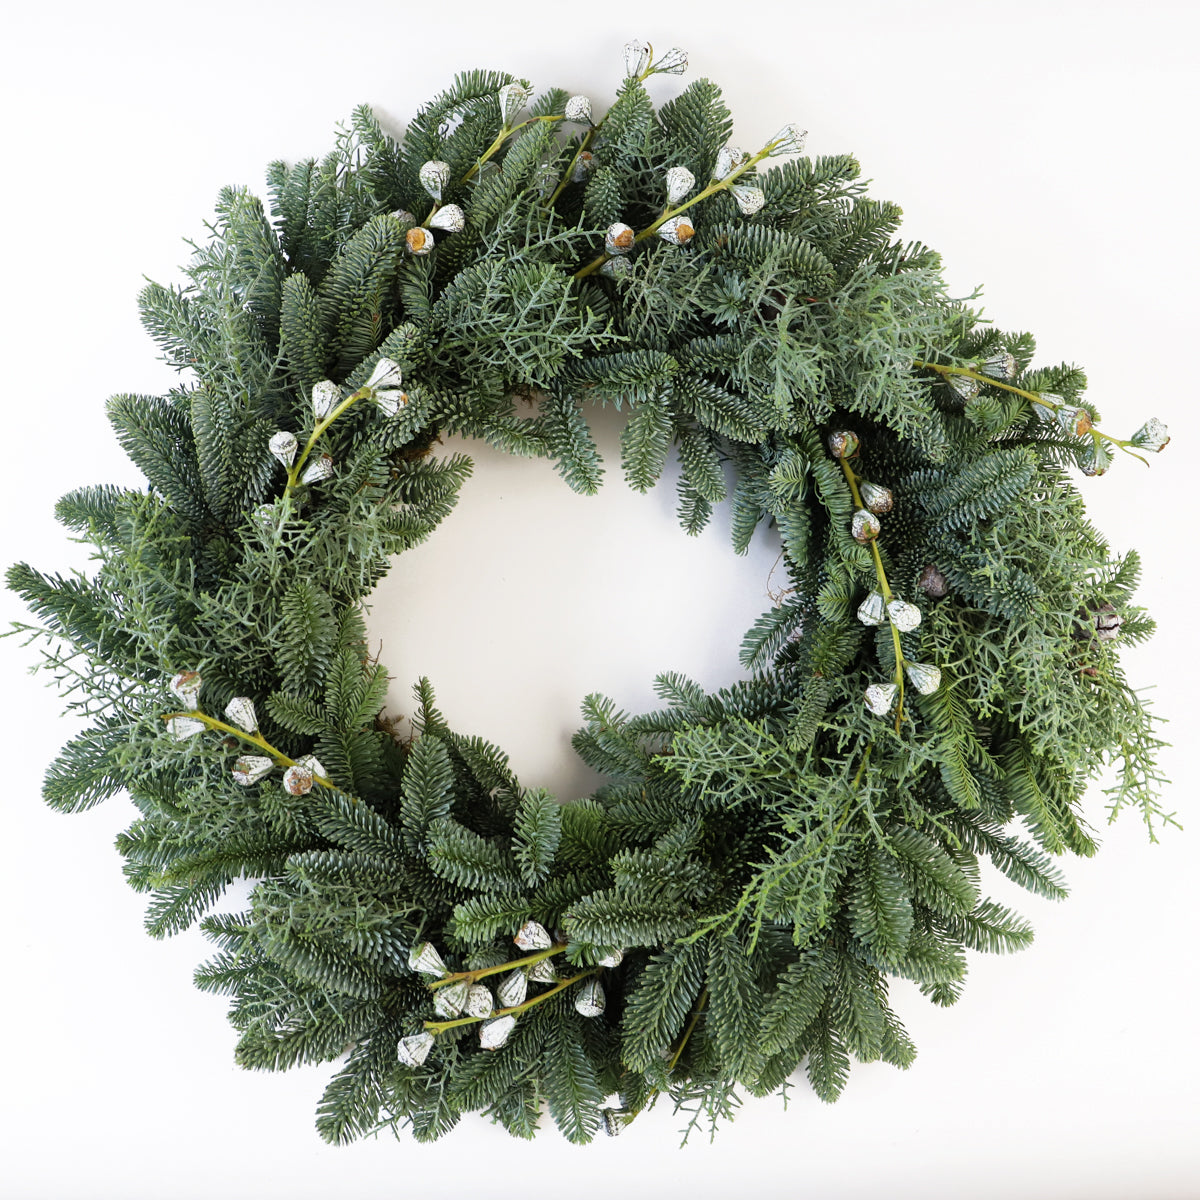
{"x":1108,"y":623}
{"x":924,"y":677}
{"x":637,"y":58}
{"x":613,"y":1125}
{"x":532,"y":936}
{"x":449,"y":1001}
{"x":284,"y":446}
{"x":843,"y":443}
{"x":386,"y":373}
{"x":543,"y":972}
{"x":616,"y":268}
{"x":404,"y":217}
{"x":579,"y":110}
{"x":749,"y":199}
{"x":619,"y":238}
{"x":876,"y":497}
{"x":906,"y":617}
{"x":449,"y":217}
{"x":297,"y":780}
{"x":389,"y":401}
{"x":585,"y":164}
{"x":186,"y":686}
{"x":674,"y":62}
{"x":413,"y":1051}
{"x":589,"y":1000}
{"x":727,"y":159}
{"x":325,"y":397}
{"x":932,"y":582}
{"x":870,"y":611}
{"x":1094,"y":457}
{"x":612,"y":959}
{"x":434,"y":177}
{"x":999,"y":364}
{"x":419,"y":241}
{"x":182,"y":728}
{"x":680,"y":181}
{"x":678,"y":231}
{"x":319,"y":468}
{"x":424,"y":959}
{"x":513,"y":989}
{"x":512,"y":98}
{"x":1074,"y":420}
{"x":789,"y":140}
{"x":309,"y":762}
{"x":250,"y":768}
{"x":963,"y":386}
{"x":493,"y":1034}
{"x":864,"y":525}
{"x":1152,"y":436}
{"x":479,"y":1001}
{"x":880,"y":697}
{"x":240,"y":712}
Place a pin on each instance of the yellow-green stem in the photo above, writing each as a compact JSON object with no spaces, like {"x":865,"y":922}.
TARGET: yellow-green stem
{"x":506,"y":131}
{"x":512,"y":964}
{"x":318,"y":429}
{"x":436,"y":1027}
{"x":255,"y":739}
{"x":687,"y":1033}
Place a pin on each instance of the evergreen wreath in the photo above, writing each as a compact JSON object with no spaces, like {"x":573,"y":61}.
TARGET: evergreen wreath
{"x":732,"y":902}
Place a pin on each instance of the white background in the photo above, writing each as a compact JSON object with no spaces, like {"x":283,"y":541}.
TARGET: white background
{"x":1048,"y":150}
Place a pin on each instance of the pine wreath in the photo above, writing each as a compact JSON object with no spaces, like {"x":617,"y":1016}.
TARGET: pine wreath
{"x":935,"y":688}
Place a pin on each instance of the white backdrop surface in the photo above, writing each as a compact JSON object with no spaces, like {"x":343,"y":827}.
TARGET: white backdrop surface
{"x":1046,"y":149}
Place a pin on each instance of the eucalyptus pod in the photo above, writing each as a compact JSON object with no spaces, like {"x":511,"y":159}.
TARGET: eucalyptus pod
{"x":449,"y":218}
{"x":413,"y":1051}
{"x":876,"y":497}
{"x":434,"y":177}
{"x":326,"y":395}
{"x":999,"y":364}
{"x":493,"y":1034}
{"x":449,"y":1001}
{"x":906,"y":617}
{"x":924,"y":677}
{"x":677,"y":230}
{"x":283,"y":446}
{"x":240,"y":712}
{"x":186,"y":687}
{"x":251,"y":768}
{"x":424,"y":959}
{"x":532,"y":936}
{"x":1151,"y":436}
{"x":578,"y":110}
{"x":871,"y":610}
{"x":589,"y":1000}
{"x":879,"y":698}
{"x":864,"y":525}
{"x":679,"y":182}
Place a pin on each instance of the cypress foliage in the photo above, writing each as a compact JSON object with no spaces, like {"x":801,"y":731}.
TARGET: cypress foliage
{"x":728,"y":907}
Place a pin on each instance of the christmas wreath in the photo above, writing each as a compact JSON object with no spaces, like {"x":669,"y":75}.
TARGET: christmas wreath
{"x":934,"y":688}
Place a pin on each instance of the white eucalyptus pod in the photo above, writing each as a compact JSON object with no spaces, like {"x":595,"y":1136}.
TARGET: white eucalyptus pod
{"x":1051,"y":403}
{"x":419,"y":241}
{"x":876,"y":497}
{"x":532,"y":936}
{"x":413,"y":1051}
{"x":870,"y":611}
{"x":578,"y":110}
{"x":513,"y":989}
{"x":843,"y":443}
{"x":479,"y":1001}
{"x":390,"y":401}
{"x":386,"y":373}
{"x":297,"y":780}
{"x":250,"y":768}
{"x":1074,"y":420}
{"x":864,"y":525}
{"x":240,"y":712}
{"x":680,"y":181}
{"x":619,"y":238}
{"x":1152,"y":436}
{"x":880,"y":697}
{"x":789,"y":140}
{"x":543,"y":972}
{"x":449,"y":1001}
{"x":319,"y":468}
{"x":493,"y":1034}
{"x":513,"y":98}
{"x":678,"y":231}
{"x":616,"y":268}
{"x":186,"y":687}
{"x":1094,"y":458}
{"x":613,"y":1125}
{"x":325,"y":397}
{"x":434,"y":177}
{"x":906,"y":617}
{"x":450,"y":218}
{"x":589,"y":1000}
{"x":1000,"y":364}
{"x":284,"y":446}
{"x":404,"y":217}
{"x":310,"y":762}
{"x":674,"y":62}
{"x":424,"y":959}
{"x":182,"y":728}
{"x":612,"y":959}
{"x":728,"y":158}
{"x":265,"y":516}
{"x":749,"y":199}
{"x":585,"y":164}
{"x":1108,"y":623}
{"x":924,"y":677}
{"x":963,"y":386}
{"x":637,"y":58}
